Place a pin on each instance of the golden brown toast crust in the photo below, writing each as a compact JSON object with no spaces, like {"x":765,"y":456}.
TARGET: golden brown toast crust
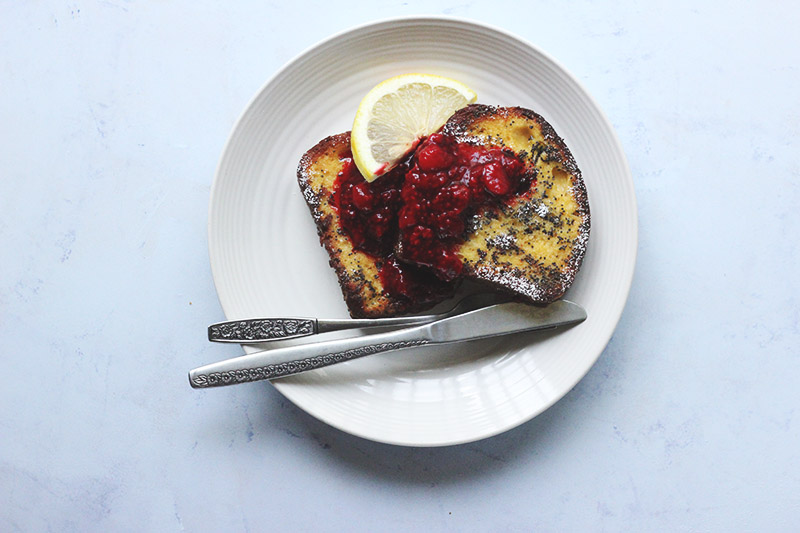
{"x":534,"y":245}
{"x":358,"y":272}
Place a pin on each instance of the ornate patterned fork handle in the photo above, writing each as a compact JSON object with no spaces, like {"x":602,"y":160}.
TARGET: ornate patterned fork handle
{"x":261,"y":329}
{"x":255,"y":330}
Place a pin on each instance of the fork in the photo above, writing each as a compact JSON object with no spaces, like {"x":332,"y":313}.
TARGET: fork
{"x":255,"y":330}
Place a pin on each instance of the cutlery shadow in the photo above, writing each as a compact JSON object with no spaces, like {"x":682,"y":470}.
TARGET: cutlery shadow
{"x":429,"y":466}
{"x":424,"y":466}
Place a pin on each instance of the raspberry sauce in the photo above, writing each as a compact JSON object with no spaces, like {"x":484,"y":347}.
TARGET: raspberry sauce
{"x":368,"y":213}
{"x":417,"y":213}
{"x":447,"y":182}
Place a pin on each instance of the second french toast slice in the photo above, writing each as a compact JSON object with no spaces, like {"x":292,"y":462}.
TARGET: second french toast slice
{"x":533,"y":244}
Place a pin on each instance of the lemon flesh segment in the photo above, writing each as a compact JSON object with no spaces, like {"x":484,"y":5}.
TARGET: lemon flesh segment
{"x":397,"y":113}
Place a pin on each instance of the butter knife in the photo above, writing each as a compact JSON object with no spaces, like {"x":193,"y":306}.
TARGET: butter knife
{"x":500,"y":319}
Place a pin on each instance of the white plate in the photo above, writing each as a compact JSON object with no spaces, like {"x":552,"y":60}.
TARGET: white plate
{"x":266,"y":258}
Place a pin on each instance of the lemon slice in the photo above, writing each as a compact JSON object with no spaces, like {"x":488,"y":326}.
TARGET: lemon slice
{"x":396,"y":113}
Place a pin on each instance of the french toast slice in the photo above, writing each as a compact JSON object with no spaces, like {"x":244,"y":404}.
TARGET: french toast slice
{"x":367,"y":290}
{"x":533,"y":244}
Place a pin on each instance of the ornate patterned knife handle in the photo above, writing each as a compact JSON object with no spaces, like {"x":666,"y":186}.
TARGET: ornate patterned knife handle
{"x":261,"y":329}
{"x":207,"y":376}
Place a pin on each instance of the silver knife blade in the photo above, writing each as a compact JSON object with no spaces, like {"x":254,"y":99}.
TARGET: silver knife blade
{"x":501,"y":319}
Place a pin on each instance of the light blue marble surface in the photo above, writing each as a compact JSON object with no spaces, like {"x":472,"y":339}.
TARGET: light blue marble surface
{"x":113,"y":115}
